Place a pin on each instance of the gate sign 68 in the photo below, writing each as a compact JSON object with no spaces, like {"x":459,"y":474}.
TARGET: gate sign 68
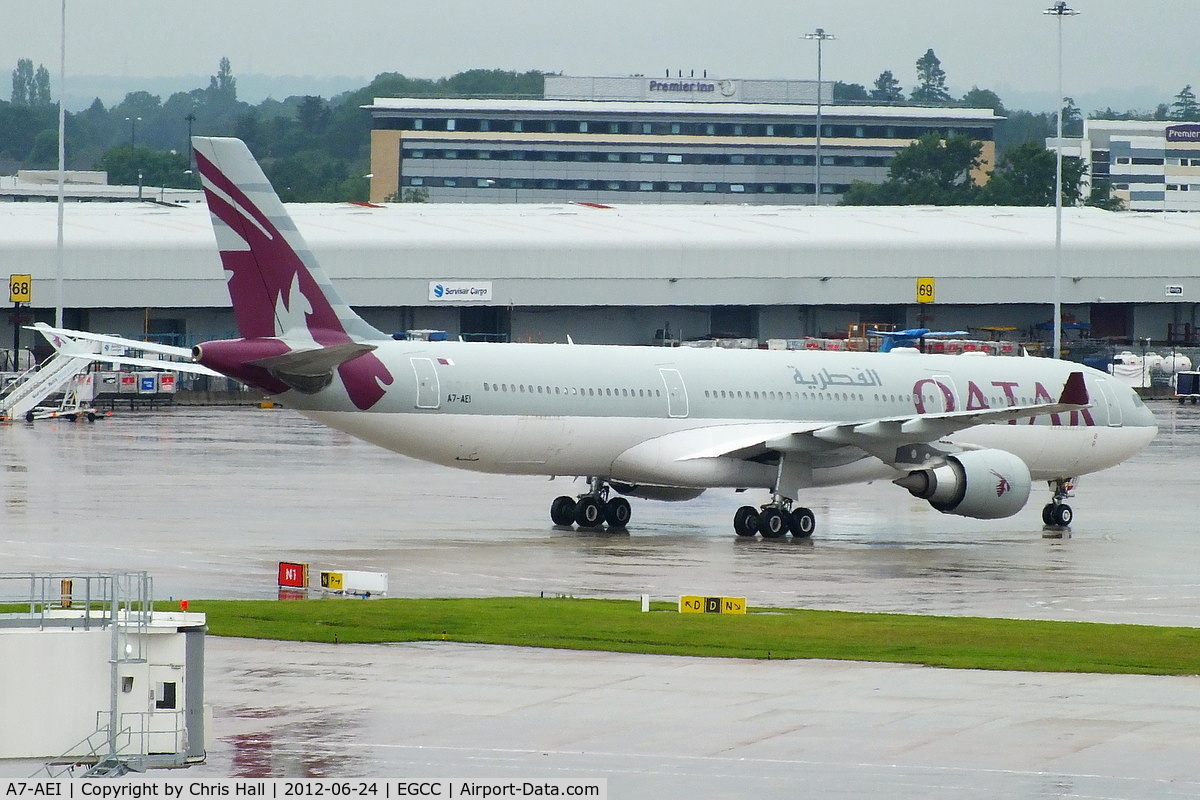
{"x":20,"y":288}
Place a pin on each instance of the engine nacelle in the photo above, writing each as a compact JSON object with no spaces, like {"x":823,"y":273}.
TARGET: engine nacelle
{"x":670,"y":494}
{"x":984,"y":484}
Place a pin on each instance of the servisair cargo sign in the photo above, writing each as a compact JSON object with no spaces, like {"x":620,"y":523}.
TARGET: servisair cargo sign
{"x":460,"y":291}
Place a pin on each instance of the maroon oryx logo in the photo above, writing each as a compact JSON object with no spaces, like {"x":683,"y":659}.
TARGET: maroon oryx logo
{"x":1002,"y":484}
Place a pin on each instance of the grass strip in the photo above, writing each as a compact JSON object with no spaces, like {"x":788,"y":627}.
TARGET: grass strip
{"x":620,"y":626}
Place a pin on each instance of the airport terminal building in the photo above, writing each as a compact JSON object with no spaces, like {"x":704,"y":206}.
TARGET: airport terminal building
{"x":635,"y":274}
{"x":649,"y":140}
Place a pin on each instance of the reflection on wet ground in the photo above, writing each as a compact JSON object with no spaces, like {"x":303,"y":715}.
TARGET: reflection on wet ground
{"x":210,"y":500}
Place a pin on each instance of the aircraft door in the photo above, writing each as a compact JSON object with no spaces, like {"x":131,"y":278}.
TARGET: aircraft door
{"x":1110,"y":401}
{"x":677,"y":399}
{"x":429,"y":391}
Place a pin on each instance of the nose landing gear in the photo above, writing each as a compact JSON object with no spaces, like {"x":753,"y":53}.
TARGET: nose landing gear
{"x":1056,"y":513}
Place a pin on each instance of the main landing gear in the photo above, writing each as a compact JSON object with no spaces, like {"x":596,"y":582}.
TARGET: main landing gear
{"x":1056,"y":513}
{"x":774,"y":520}
{"x":592,"y":509}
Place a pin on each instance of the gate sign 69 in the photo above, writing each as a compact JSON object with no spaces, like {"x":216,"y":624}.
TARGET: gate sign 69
{"x":20,"y":288}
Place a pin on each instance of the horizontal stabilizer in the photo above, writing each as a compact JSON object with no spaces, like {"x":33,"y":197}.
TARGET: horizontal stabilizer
{"x":310,"y":371}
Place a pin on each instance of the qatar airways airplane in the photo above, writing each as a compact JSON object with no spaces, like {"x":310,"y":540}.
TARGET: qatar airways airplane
{"x":967,"y":433}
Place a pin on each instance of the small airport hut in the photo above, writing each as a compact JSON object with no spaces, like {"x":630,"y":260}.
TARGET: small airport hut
{"x":91,"y":674}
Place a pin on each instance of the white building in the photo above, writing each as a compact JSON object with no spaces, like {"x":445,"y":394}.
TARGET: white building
{"x":1152,"y":166}
{"x":90,"y":671}
{"x":621,"y":274}
{"x":651,"y":140}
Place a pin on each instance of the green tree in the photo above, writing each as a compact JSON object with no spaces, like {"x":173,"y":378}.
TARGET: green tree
{"x":850,"y":93}
{"x":1025,"y":177}
{"x":313,"y":115}
{"x":1101,"y":196}
{"x":1019,"y":127}
{"x":887,"y":88}
{"x":1185,"y":106}
{"x":1072,"y":118}
{"x":931,"y":81}
{"x":222,"y":87}
{"x":157,"y":167}
{"x":984,"y":98}
{"x":930,"y":171}
{"x":30,"y":87}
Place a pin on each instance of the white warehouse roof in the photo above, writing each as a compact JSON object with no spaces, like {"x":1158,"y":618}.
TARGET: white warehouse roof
{"x":132,"y":255}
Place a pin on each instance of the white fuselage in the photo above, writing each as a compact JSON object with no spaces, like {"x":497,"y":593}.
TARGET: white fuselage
{"x":599,"y":410}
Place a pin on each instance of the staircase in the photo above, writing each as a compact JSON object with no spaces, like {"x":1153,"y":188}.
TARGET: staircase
{"x":35,"y":386}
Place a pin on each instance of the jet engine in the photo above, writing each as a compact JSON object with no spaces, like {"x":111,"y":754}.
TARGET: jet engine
{"x":670,"y":494}
{"x":984,"y":484}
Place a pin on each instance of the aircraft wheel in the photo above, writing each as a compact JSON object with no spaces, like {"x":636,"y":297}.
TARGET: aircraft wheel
{"x":1062,"y":515}
{"x":588,"y":512}
{"x":803,"y":523}
{"x":617,"y":512}
{"x":745,"y":521}
{"x":1048,"y":514}
{"x":771,"y":523}
{"x":562,"y":510}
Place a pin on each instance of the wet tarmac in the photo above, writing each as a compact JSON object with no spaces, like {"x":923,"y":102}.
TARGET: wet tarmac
{"x":210,"y":500}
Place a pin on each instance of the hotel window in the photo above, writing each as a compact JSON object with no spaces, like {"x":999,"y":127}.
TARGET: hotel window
{"x":737,"y":159}
{"x":416,"y":154}
{"x":708,"y":187}
{"x":737,"y":187}
{"x":770,"y":130}
{"x":645,"y":157}
{"x":674,"y":187}
{"x":613,"y":156}
{"x":450,"y":154}
{"x":675,"y":127}
{"x":518,"y":126}
{"x":645,"y":186}
{"x":646,"y":127}
{"x":483,"y":125}
{"x":449,"y":124}
{"x":710,"y":129}
{"x":418,"y":124}
{"x":583,"y":127}
{"x":674,"y":159}
{"x":737,"y":130}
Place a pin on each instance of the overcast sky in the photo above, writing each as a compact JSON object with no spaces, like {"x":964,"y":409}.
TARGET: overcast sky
{"x":1114,"y":49}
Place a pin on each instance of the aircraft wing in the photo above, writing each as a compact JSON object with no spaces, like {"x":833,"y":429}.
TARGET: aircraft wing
{"x":879,"y":437}
{"x":83,"y":344}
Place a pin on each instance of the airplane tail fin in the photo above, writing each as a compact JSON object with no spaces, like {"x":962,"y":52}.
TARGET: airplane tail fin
{"x":275,"y":283}
{"x":296,"y":331}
